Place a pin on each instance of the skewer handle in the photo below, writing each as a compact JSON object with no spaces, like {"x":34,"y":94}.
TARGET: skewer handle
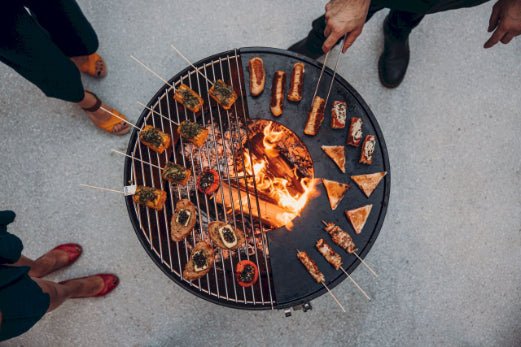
{"x":101,"y":188}
{"x":151,"y":71}
{"x":159,"y":114}
{"x":190,"y":63}
{"x":366,"y":265}
{"x":334,"y":297}
{"x":134,"y":158}
{"x":356,"y":284}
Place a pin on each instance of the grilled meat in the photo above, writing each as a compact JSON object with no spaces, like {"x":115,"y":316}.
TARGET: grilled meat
{"x":340,"y":237}
{"x":315,"y":116}
{"x":257,"y":76}
{"x":277,"y":93}
{"x":311,"y":266}
{"x":331,"y":256}
{"x":296,"y":83}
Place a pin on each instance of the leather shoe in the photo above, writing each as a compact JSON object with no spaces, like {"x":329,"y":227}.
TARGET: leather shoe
{"x":394,"y":60}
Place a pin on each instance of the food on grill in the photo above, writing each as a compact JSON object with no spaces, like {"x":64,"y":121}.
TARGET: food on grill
{"x":223,"y":94}
{"x":183,"y":220}
{"x":337,"y":154}
{"x":331,"y":256}
{"x":311,"y":266}
{"x":225,"y":236}
{"x":247,"y":273}
{"x":154,"y":139}
{"x":150,"y":197}
{"x":296,"y":83}
{"x":176,"y":174}
{"x":368,"y":147}
{"x":369,"y":182}
{"x":340,"y":237}
{"x":358,"y":217}
{"x":315,"y":116}
{"x":338,"y":114}
{"x":208,"y":181}
{"x":335,"y":192}
{"x":192,"y":132}
{"x":354,"y":136}
{"x":188,"y":98}
{"x":277,"y":93}
{"x":257,"y":76}
{"x":200,"y":263}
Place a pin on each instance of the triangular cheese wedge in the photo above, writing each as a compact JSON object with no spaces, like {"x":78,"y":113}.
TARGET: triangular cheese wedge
{"x":369,"y":182}
{"x":358,"y":217}
{"x":335,"y":192}
{"x":336,"y":153}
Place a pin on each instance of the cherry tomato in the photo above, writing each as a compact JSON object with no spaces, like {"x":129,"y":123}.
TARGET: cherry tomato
{"x":247,"y":273}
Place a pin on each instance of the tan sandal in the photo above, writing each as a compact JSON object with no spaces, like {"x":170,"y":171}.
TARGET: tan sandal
{"x":110,"y":124}
{"x":94,"y":66}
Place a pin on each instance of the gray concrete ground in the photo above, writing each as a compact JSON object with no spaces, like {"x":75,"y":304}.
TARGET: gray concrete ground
{"x":449,"y":253}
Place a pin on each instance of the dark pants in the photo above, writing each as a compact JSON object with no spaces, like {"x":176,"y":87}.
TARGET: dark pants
{"x":38,"y":45}
{"x":404,"y":16}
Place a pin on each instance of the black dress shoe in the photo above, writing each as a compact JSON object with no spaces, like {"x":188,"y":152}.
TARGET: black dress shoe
{"x":305,"y":47}
{"x":394,"y":60}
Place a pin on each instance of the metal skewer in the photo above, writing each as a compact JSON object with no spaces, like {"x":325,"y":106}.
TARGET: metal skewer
{"x":356,"y":284}
{"x":361,"y":260}
{"x":331,"y":293}
{"x":101,"y":188}
{"x":192,"y":65}
{"x":159,"y":114}
{"x":134,"y":158}
{"x":152,"y":71}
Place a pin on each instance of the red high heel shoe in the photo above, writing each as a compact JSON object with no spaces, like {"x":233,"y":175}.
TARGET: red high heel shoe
{"x":110,"y":282}
{"x":73,"y":251}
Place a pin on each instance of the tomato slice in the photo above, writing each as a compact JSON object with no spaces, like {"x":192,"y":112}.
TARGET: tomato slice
{"x":247,"y":273}
{"x":208,"y":181}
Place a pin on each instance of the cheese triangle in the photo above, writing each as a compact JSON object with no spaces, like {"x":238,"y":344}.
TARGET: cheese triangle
{"x":358,"y":217}
{"x":336,"y":153}
{"x":335,"y":192}
{"x":369,"y":182}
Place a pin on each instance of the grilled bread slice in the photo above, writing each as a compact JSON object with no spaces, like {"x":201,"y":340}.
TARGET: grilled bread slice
{"x":219,"y":238}
{"x":154,"y":139}
{"x":191,"y":272}
{"x":183,"y":220}
{"x":337,"y":154}
{"x":335,"y":192}
{"x":369,"y":182}
{"x":358,"y":217}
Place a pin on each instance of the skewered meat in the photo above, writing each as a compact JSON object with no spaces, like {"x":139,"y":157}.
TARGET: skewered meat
{"x":340,"y":237}
{"x":354,"y":136}
{"x":176,"y":174}
{"x":331,"y":256}
{"x":200,"y":263}
{"x":188,"y":98}
{"x":296,"y":83}
{"x":183,"y":220}
{"x":338,"y":114}
{"x":192,"y":132}
{"x":311,"y":266}
{"x":150,"y":197}
{"x":315,"y":116}
{"x":225,"y":236}
{"x":154,"y":139}
{"x":223,"y":94}
{"x":368,"y":148}
{"x":257,"y":76}
{"x":277,"y":93}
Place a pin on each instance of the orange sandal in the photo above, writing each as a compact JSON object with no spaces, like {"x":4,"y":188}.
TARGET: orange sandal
{"x":109,"y":124}
{"x":94,"y":66}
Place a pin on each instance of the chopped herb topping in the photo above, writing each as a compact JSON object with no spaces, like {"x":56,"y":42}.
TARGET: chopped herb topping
{"x":146,"y":194}
{"x":151,"y":136}
{"x":247,"y":274}
{"x":222,"y":91}
{"x":189,"y":130}
{"x":174,"y":172}
{"x":189,"y":99}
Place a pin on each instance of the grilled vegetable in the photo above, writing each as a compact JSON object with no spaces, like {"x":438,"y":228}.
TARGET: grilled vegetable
{"x":208,"y":181}
{"x":183,"y":220}
{"x":150,"y":197}
{"x":200,"y":263}
{"x":247,"y":273}
{"x":193,"y":132}
{"x":223,"y":94}
{"x":188,"y":98}
{"x":225,"y":236}
{"x":311,"y":266}
{"x":154,"y":139}
{"x":331,"y":256}
{"x":176,"y":174}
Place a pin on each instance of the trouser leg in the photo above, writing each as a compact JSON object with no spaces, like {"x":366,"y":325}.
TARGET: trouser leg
{"x":58,"y":293}
{"x":66,"y":24}
{"x":401,"y":23}
{"x":27,"y":48}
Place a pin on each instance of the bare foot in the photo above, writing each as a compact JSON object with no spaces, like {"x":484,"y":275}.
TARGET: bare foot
{"x":49,"y":262}
{"x":85,"y":287}
{"x":100,"y":116}
{"x":83,"y":64}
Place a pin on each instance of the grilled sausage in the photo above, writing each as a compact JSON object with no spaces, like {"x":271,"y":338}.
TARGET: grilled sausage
{"x":315,"y":116}
{"x":257,"y":76}
{"x":296,"y":83}
{"x":368,"y":147}
{"x":331,"y":256}
{"x":340,"y":237}
{"x":192,"y":132}
{"x":311,"y":266}
{"x":277,"y":93}
{"x":354,"y":136}
{"x":338,"y":114}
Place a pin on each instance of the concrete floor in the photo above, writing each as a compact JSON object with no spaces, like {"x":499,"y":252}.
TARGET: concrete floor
{"x":450,"y":248}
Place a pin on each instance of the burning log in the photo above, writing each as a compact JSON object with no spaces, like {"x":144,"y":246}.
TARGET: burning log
{"x":270,"y":213}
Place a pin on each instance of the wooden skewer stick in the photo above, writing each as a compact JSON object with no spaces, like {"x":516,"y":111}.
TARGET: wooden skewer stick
{"x":331,"y":293}
{"x":101,"y":188}
{"x":192,"y":65}
{"x":361,"y":260}
{"x":119,"y":117}
{"x":159,"y":114}
{"x":334,"y":72}
{"x":356,"y":284}
{"x":152,"y":71}
{"x":134,"y":158}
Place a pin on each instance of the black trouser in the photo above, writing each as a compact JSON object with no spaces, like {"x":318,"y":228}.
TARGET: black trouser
{"x":403,"y":17}
{"x":38,"y":45}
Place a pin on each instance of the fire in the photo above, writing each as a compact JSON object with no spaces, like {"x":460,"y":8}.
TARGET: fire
{"x":278,"y":189}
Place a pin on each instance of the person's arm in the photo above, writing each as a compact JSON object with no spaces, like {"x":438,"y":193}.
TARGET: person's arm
{"x":505,"y":21}
{"x":344,"y":17}
{"x":10,"y":246}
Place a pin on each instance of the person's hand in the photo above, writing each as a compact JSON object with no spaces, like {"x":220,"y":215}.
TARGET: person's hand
{"x":344,"y":17}
{"x":506,"y":20}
